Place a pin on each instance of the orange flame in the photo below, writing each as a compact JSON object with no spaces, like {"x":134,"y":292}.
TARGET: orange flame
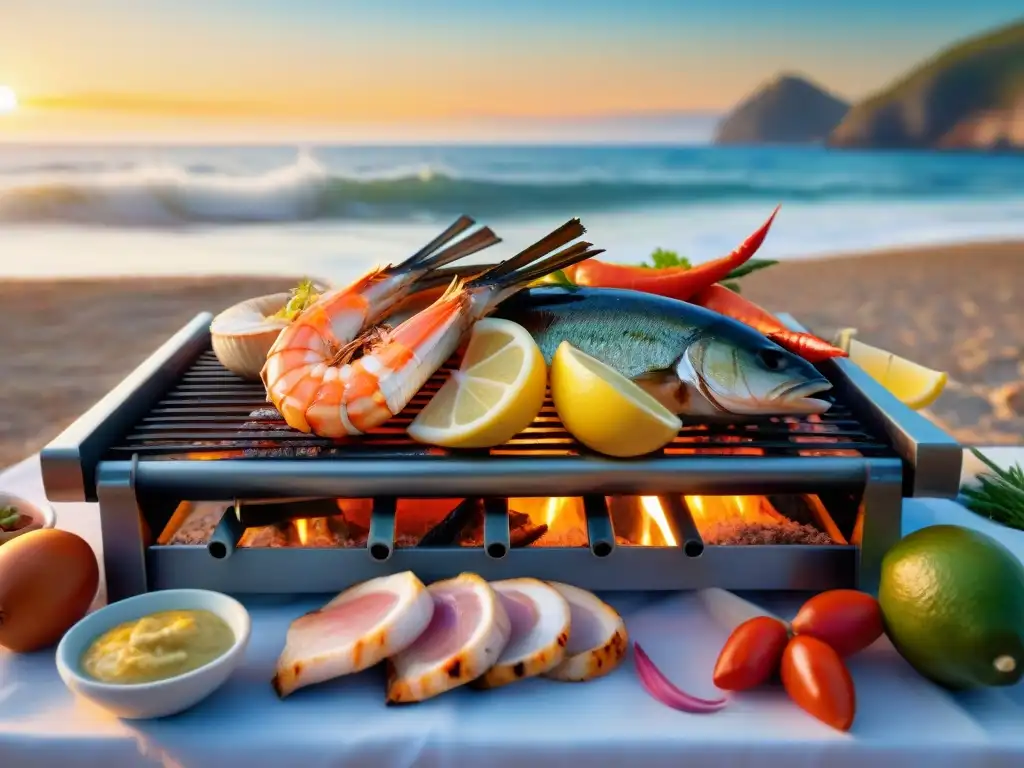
{"x":655,"y":518}
{"x":302,"y":530}
{"x":554,"y":505}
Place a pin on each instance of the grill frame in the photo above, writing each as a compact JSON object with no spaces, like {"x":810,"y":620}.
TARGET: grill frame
{"x":81,"y":465}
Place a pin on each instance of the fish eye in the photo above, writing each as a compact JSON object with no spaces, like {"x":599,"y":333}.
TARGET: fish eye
{"x":772,"y":359}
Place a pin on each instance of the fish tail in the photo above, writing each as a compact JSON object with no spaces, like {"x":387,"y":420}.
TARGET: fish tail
{"x":429,"y":257}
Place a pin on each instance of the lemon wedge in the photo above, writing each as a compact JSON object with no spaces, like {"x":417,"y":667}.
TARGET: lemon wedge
{"x":913,"y":384}
{"x":604,"y":410}
{"x":496,"y":393}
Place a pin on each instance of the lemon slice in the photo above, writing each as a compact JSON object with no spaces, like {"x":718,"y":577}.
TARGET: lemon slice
{"x":496,"y":393}
{"x":843,"y":338}
{"x":604,"y":410}
{"x":913,"y":384}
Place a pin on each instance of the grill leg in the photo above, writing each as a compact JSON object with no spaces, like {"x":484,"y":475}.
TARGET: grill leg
{"x":881,"y":523}
{"x":124,"y":551}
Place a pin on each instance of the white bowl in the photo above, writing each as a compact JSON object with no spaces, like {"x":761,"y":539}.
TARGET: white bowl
{"x":243,"y":334}
{"x":164,"y":697}
{"x":42,"y":515}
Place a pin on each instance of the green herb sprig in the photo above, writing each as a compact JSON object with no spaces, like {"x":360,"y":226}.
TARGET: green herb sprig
{"x":303,"y":295}
{"x":999,"y":494}
{"x":662,"y":259}
{"x":9,"y":516}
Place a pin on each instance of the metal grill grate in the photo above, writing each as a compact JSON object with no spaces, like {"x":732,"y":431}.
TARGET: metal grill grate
{"x":212,"y":414}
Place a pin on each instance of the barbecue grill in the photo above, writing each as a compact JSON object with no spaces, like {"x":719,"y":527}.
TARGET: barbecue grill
{"x":182,"y":431}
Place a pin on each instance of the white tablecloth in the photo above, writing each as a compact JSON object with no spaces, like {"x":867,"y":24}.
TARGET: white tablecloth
{"x":902,"y":720}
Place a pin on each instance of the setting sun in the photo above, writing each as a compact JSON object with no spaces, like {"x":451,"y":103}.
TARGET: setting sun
{"x":8,"y":99}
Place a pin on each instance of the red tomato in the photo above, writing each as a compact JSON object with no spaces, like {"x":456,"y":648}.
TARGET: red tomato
{"x":816,"y":678}
{"x":751,"y":655}
{"x":846,"y":619}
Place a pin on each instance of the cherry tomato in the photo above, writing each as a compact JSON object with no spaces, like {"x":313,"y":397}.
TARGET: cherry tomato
{"x":752,"y":654}
{"x":816,"y":678}
{"x":846,"y":619}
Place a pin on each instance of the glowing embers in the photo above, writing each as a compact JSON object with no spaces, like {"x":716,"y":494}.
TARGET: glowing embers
{"x":753,"y":520}
{"x":561,"y":519}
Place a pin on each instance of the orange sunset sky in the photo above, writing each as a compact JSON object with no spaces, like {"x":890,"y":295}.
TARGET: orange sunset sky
{"x":88,"y":70}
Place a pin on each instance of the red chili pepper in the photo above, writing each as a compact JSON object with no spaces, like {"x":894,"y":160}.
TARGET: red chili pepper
{"x":818,"y":681}
{"x":807,"y":345}
{"x":676,"y":283}
{"x":846,"y":619}
{"x":751,"y":655}
{"x":720,"y":299}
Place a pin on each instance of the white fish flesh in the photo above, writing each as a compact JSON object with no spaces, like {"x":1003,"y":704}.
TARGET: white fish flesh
{"x":466,"y":636}
{"x":597,"y":637}
{"x":540,"y":621}
{"x":357,"y":629}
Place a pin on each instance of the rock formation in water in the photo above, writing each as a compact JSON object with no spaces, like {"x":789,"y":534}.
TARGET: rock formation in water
{"x":787,"y":110}
{"x":970,"y":96}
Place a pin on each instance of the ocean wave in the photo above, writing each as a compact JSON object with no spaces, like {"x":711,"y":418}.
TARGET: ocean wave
{"x":306,"y":190}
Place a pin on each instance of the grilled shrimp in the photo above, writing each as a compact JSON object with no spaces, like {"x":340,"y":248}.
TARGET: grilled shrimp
{"x":328,"y":330}
{"x":339,"y":396}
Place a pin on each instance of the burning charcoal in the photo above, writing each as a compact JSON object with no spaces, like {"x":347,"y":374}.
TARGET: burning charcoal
{"x":447,"y":532}
{"x":266,"y":536}
{"x":357,"y":537}
{"x":570,"y":537}
{"x":198,"y":525}
{"x":406,"y":541}
{"x":525,"y":535}
{"x":522,"y":531}
{"x":339,"y":525}
{"x":749,"y":534}
{"x":318,"y":533}
{"x":472,"y":534}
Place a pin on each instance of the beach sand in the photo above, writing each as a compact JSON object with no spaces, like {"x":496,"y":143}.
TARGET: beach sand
{"x":957,"y":308}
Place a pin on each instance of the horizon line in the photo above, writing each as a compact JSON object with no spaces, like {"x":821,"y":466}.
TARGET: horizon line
{"x":172,"y":107}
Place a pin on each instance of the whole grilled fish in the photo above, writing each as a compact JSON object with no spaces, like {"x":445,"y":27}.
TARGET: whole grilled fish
{"x":692,"y":360}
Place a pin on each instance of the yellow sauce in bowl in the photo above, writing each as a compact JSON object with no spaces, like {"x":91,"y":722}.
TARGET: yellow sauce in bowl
{"x":157,"y":647}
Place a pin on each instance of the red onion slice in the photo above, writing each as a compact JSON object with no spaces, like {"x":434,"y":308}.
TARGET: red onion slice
{"x":662,"y":689}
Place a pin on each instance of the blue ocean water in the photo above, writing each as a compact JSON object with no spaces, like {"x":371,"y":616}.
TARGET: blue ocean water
{"x":332,"y":209}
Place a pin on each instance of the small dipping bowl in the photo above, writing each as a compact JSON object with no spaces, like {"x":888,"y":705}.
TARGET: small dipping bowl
{"x":142,"y":701}
{"x":41,"y":514}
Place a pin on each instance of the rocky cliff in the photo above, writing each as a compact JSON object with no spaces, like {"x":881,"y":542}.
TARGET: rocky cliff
{"x":787,"y":110}
{"x":970,"y":96}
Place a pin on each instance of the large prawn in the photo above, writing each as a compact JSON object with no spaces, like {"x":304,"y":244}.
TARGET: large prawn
{"x":330,"y":328}
{"x":335,"y":395}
